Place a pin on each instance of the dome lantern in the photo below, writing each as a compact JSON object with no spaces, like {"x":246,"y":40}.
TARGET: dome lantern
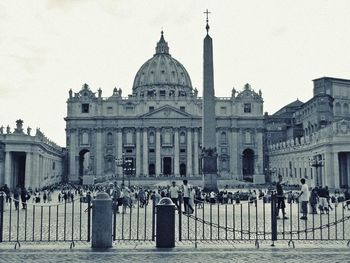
{"x":162,"y":46}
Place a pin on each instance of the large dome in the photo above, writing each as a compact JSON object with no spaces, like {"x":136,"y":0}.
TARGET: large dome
{"x":162,"y":73}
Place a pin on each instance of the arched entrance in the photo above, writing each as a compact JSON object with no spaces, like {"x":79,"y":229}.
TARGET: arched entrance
{"x":84,"y":163}
{"x":248,"y":165}
{"x":167,"y":166}
{"x":18,"y":169}
{"x":182,"y":170}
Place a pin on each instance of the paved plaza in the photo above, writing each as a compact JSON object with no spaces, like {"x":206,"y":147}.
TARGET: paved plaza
{"x":182,"y":253}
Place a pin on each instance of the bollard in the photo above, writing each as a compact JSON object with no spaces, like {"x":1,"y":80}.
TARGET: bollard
{"x":102,"y":221}
{"x":165,"y":231}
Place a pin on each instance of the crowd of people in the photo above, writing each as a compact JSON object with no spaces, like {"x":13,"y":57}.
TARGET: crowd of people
{"x":185,"y":194}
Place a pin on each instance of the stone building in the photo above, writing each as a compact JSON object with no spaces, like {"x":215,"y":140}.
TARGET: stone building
{"x":157,"y":128}
{"x":29,"y":160}
{"x":314,"y":140}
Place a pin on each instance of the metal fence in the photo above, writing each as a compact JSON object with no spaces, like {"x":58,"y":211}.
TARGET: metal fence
{"x":50,"y":222}
{"x":258,"y":220}
{"x":247,"y":221}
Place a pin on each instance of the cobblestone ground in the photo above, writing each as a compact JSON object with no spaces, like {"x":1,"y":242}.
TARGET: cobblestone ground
{"x":183,"y":253}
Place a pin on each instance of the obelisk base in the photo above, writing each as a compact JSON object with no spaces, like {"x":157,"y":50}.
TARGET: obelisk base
{"x":259,"y":179}
{"x":210,"y":183}
{"x":209,"y":176}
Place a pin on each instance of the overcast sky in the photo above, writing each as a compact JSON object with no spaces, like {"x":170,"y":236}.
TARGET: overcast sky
{"x":49,"y":47}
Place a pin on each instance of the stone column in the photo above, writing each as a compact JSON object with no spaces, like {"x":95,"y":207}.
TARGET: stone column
{"x":158,"y":161}
{"x":119,"y":150}
{"x":138,"y":152}
{"x":145,"y":153}
{"x":176,"y":153}
{"x":73,"y":144}
{"x":234,"y":153}
{"x":35,"y":170}
{"x":189,"y":153}
{"x":195,"y":154}
{"x":8,"y":170}
{"x":336,"y":171}
{"x":99,"y":154}
{"x":259,"y":177}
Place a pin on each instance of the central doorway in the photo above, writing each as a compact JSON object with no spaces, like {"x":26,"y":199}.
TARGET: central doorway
{"x":248,"y":165}
{"x":167,"y":166}
{"x":84,"y":164}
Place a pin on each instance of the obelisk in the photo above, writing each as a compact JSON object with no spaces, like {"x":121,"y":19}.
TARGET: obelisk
{"x":209,"y":154}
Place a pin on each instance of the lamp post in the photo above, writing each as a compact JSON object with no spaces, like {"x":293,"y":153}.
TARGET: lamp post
{"x":128,"y":168}
{"x":120,"y":163}
{"x":317,"y":162}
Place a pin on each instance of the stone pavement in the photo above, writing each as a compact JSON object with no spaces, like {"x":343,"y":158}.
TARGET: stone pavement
{"x":184,"y":252}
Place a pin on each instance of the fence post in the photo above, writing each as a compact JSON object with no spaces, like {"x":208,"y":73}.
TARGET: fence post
{"x":273,"y":218}
{"x":1,"y":214}
{"x":88,"y":197}
{"x":102,"y":221}
{"x":153,"y":217}
{"x":180,"y":217}
{"x":165,"y":223}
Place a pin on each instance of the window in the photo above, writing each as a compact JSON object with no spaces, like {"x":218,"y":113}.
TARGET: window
{"x":248,"y":137}
{"x":167,"y":138}
{"x":109,"y":110}
{"x":129,"y":150}
{"x":247,"y":107}
{"x":151,"y":150}
{"x":182,"y":108}
{"x":53,"y":165}
{"x":162,"y":93}
{"x":85,"y":138}
{"x":182,"y":137}
{"x":223,"y":139}
{"x":182,"y":150}
{"x":223,"y":110}
{"x":109,"y":138}
{"x":151,"y":138}
{"x":337,"y":108}
{"x":151,"y":108}
{"x":129,"y":138}
{"x":85,"y":108}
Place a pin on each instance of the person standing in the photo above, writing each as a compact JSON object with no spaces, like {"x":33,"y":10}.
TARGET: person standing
{"x":304,"y":198}
{"x":174,"y":194}
{"x":186,"y":195}
{"x":281,"y":205}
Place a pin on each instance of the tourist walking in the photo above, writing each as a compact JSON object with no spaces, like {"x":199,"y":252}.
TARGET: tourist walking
{"x":174,"y":194}
{"x":304,"y":198}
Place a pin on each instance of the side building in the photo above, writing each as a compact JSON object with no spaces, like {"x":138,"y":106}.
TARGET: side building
{"x":314,"y":141}
{"x":32,"y":161}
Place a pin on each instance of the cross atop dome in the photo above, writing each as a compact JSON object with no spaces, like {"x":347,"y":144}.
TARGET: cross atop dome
{"x":162,"y":45}
{"x":207,"y":26}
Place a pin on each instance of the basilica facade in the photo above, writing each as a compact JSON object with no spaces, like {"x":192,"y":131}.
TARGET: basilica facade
{"x":157,"y":129}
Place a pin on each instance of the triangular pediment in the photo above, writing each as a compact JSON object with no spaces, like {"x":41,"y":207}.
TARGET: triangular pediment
{"x":168,"y":112}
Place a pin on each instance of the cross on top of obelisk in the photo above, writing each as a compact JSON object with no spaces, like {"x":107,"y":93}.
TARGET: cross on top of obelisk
{"x":207,"y":26}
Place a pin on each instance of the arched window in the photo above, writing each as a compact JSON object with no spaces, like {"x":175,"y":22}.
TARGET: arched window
{"x":151,"y":138}
{"x":109,"y":138}
{"x":129,"y":137}
{"x":248,"y":137}
{"x":337,"y":108}
{"x":346,"y":108}
{"x":223,"y":138}
{"x":182,"y":137}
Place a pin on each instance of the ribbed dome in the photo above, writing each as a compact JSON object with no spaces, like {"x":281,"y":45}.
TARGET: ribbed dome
{"x":162,"y":71}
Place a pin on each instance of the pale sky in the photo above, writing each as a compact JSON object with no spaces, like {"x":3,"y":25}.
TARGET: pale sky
{"x":48,"y":47}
